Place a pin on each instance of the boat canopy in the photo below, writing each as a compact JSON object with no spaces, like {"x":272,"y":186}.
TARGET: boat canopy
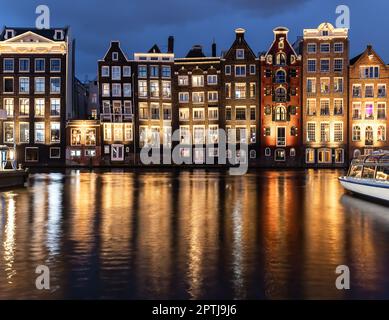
{"x":379,"y":157}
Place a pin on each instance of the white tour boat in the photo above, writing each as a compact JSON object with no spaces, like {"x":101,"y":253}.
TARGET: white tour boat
{"x":369,"y":176}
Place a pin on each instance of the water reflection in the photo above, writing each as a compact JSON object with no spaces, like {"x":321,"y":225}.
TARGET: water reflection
{"x":191,"y":235}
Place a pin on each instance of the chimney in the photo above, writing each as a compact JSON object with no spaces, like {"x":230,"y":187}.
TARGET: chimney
{"x":240,"y":33}
{"x":214,"y":49}
{"x":170,"y":44}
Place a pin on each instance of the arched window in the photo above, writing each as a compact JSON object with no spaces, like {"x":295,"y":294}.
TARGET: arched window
{"x":281,"y":59}
{"x":267,"y":152}
{"x":357,"y":153}
{"x":253,"y":154}
{"x":280,"y":95}
{"x":280,"y":113}
{"x":381,"y":134}
{"x":292,"y":152}
{"x":280,"y":76}
{"x":369,"y":135}
{"x":356,"y":133}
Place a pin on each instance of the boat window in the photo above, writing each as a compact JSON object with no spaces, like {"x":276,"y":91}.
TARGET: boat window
{"x":382,"y":173}
{"x":384,"y":159}
{"x":368,"y":172}
{"x":355,"y":171}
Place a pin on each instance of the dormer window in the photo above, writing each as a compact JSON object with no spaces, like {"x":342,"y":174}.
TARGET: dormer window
{"x":58,"y":35}
{"x":239,"y":53}
{"x":9,"y":34}
{"x":115,"y":56}
{"x":325,"y":33}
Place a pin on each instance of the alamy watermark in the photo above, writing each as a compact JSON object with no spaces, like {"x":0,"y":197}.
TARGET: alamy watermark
{"x":217,"y":151}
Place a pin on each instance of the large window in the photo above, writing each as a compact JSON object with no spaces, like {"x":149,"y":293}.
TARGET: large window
{"x":55,"y":65}
{"x":356,"y":133}
{"x":167,"y":111}
{"x":240,"y":71}
{"x":116,"y":90}
{"x":24,"y":65}
{"x":24,"y":132}
{"x":281,"y":136}
{"x":311,"y":132}
{"x":197,"y":81}
{"x":338,"y":65}
{"x":55,"y":132}
{"x":55,"y":85}
{"x":154,"y":88}
{"x":116,"y":73}
{"x":356,"y":110}
{"x":369,"y":91}
{"x":142,"y":88}
{"x":8,"y":85}
{"x":31,"y":154}
{"x":8,"y":65}
{"x":183,"y":80}
{"x":142,"y":71}
{"x":381,"y":91}
{"x":127,"y":89}
{"x":369,"y":139}
{"x":324,"y":132}
{"x":198,"y":97}
{"x":311,"y":65}
{"x":154,"y":111}
{"x":311,"y":85}
{"x":24,"y":107}
{"x":357,"y":91}
{"x":280,"y":76}
{"x":381,"y":133}
{"x":154,"y":71}
{"x":76,"y":136}
{"x":105,"y":89}
{"x":9,"y":106}
{"x":280,"y":113}
{"x":381,"y":110}
{"x":183,"y":97}
{"x":240,"y":113}
{"x":39,"y":132}
{"x":166,"y":89}
{"x":39,"y":107}
{"x":338,"y":85}
{"x":325,"y":85}
{"x":338,"y":106}
{"x":8,"y":132}
{"x":166,"y":72}
{"x":325,"y":65}
{"x":24,"y":85}
{"x":39,"y":85}
{"x":143,"y":111}
{"x":198,"y":114}
{"x":184,"y":114}
{"x":338,"y":132}
{"x":212,"y":79}
{"x":369,"y":110}
{"x":311,"y":107}
{"x":324,"y":107}
{"x":324,"y":156}
{"x":370,"y":72}
{"x":280,"y":95}
{"x":55,"y":107}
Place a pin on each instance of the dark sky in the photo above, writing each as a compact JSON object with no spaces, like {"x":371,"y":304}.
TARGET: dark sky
{"x":138,"y":24}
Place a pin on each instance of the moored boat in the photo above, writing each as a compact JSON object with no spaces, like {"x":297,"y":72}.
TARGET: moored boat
{"x":368,"y":176}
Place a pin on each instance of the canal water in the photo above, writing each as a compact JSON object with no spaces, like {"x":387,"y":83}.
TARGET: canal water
{"x":191,"y":235}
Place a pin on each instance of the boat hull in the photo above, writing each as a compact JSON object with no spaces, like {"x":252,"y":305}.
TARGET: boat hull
{"x":371,"y":189}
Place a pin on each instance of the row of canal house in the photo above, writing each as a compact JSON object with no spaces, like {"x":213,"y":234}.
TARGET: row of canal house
{"x":301,"y":104}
